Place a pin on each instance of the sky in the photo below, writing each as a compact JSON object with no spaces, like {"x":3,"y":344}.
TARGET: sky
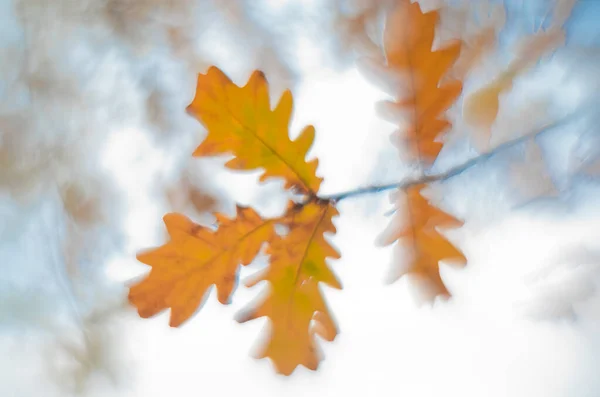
{"x":509,"y":330}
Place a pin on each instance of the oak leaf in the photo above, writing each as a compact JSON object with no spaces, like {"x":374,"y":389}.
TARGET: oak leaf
{"x":428,"y":93}
{"x":240,"y":121}
{"x":417,"y":227}
{"x":194,"y":259}
{"x":481,"y":107}
{"x":295,"y":305}
{"x":408,"y":41}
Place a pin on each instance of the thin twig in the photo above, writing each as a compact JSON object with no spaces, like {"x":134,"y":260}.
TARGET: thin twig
{"x":458,"y":169}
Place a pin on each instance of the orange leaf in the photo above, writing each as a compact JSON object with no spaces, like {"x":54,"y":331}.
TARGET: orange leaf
{"x":195,"y":258}
{"x":408,"y":41}
{"x":295,"y":304}
{"x":481,"y":107}
{"x":417,"y":227}
{"x":240,"y":121}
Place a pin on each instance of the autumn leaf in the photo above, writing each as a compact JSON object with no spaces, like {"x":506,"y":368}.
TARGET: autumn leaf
{"x":295,"y":305}
{"x":427,"y":94}
{"x":417,"y":227}
{"x":481,"y":107}
{"x":408,"y":41}
{"x":240,"y":121}
{"x":194,"y":259}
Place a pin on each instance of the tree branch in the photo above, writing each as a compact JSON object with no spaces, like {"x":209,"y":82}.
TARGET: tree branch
{"x":458,"y":169}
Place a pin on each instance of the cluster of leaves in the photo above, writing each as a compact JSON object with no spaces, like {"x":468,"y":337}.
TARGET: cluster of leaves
{"x":240,"y":122}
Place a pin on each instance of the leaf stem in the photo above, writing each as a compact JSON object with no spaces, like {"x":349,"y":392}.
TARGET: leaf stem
{"x":458,"y":169}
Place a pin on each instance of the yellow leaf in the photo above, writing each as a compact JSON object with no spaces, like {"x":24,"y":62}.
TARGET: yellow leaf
{"x":295,"y":305}
{"x":481,"y":108}
{"x":408,"y":41}
{"x":195,"y":258}
{"x":240,"y":121}
{"x":417,"y":227}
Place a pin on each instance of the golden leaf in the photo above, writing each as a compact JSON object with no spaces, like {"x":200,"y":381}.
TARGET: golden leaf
{"x":240,"y":121}
{"x":408,"y":41}
{"x":481,"y":108}
{"x":295,"y":305}
{"x":429,"y":92}
{"x":417,"y":227}
{"x":194,"y":259}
